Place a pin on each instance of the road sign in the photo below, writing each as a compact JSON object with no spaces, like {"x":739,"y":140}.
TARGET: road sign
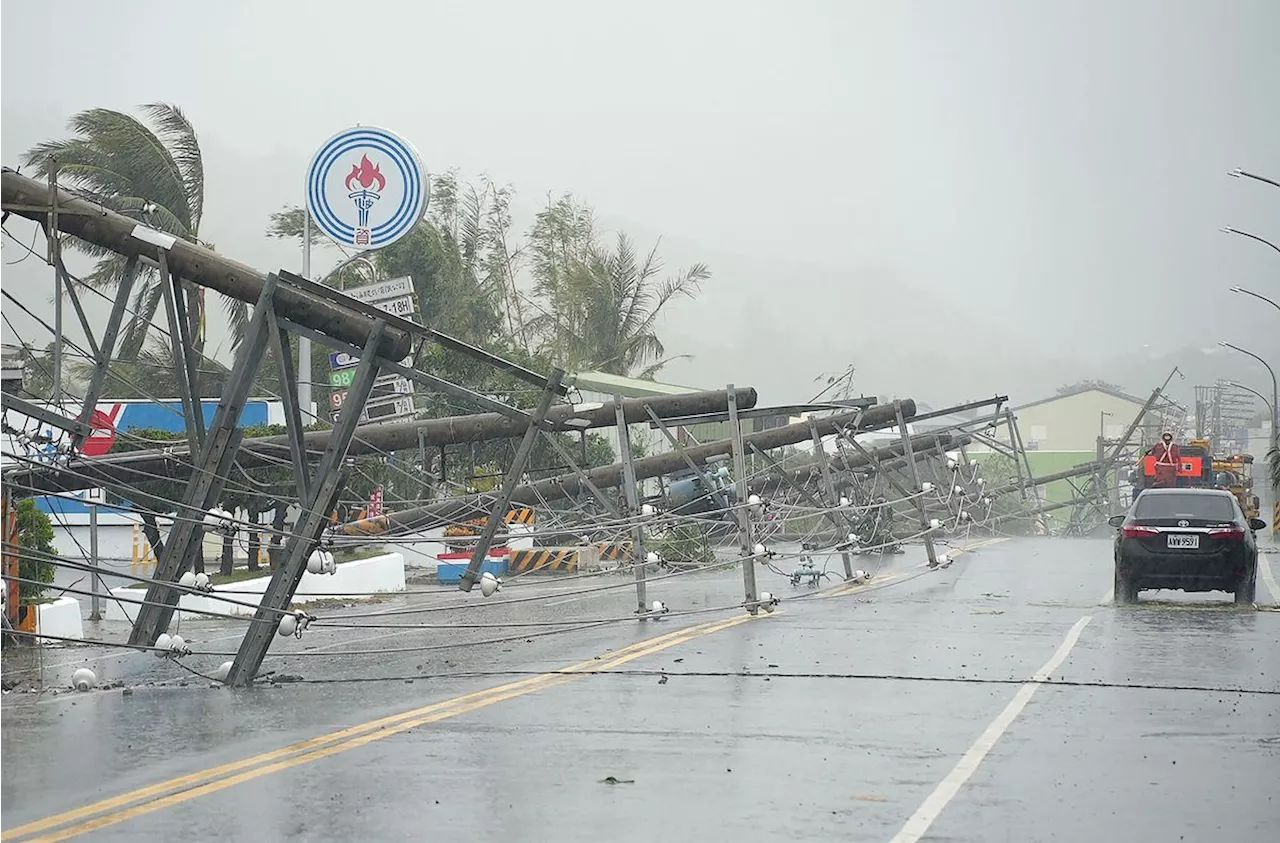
{"x":342,"y":359}
{"x":103,"y":434}
{"x":366,"y":187}
{"x":401,"y":306}
{"x":389,"y":388}
{"x":337,"y":399}
{"x":383,"y":290}
{"x":342,"y":377}
{"x":375,"y":503}
{"x":397,"y":409}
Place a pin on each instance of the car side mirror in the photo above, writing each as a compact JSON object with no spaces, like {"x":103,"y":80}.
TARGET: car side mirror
{"x":1117,"y":520}
{"x":1257,"y":524}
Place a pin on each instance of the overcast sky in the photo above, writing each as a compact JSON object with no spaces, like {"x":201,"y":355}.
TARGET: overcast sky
{"x":958,"y":198}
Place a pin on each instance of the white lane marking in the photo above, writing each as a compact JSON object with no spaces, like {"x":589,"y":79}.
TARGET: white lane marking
{"x":918,"y":825}
{"x":1265,"y":567}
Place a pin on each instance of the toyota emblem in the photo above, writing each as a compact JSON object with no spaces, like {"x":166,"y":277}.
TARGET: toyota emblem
{"x":1184,"y":523}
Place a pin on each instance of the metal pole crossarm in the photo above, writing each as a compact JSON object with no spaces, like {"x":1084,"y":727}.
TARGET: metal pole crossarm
{"x":412,"y":328}
{"x":140,"y":466}
{"x":77,"y":428}
{"x":330,"y":478}
{"x":96,"y":224}
{"x":216,"y":458}
{"x":510,"y":483}
{"x":107,"y":350}
{"x":611,"y":476}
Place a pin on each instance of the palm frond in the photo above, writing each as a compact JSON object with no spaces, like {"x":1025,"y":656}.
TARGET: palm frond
{"x":237,"y":319}
{"x":179,"y":137}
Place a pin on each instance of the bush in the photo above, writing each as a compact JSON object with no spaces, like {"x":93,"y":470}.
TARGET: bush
{"x":685,"y":544}
{"x":35,"y":537}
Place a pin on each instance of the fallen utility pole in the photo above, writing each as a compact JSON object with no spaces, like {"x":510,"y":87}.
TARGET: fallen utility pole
{"x":96,"y":224}
{"x":611,"y":476}
{"x":136,"y":467}
{"x":923,"y":445}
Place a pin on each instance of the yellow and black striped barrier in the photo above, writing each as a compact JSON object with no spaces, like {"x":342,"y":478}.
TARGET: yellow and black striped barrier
{"x":560,"y":559}
{"x":523,"y":515}
{"x":543,"y":559}
{"x":1275,"y":519}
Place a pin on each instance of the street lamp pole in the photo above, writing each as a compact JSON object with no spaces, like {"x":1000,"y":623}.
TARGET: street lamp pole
{"x":1239,"y":173}
{"x":1275,"y":428}
{"x":1229,"y":230}
{"x":1256,"y":296}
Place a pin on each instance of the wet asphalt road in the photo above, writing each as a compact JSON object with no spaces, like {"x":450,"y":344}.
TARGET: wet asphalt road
{"x":853,"y":717}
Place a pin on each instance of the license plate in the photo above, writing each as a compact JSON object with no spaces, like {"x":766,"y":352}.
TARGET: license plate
{"x":1184,"y":541}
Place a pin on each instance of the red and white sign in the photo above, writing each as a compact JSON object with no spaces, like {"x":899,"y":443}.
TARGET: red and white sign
{"x":375,"y":503}
{"x":103,"y":435}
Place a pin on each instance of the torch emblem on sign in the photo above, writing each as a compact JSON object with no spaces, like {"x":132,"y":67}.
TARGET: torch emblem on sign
{"x":360,"y":184}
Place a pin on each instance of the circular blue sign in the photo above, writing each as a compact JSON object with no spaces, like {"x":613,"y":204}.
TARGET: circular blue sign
{"x":366,"y":188}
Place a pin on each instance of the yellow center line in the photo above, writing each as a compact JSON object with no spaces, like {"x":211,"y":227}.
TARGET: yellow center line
{"x":190,"y":787}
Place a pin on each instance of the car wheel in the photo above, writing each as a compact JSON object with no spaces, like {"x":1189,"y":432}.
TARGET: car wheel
{"x":1126,"y":592}
{"x":1247,"y":589}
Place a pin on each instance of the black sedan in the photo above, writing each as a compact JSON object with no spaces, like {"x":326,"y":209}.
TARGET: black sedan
{"x":1186,"y":539}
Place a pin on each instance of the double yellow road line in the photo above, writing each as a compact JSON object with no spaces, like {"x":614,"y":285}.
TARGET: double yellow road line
{"x":137,"y":803}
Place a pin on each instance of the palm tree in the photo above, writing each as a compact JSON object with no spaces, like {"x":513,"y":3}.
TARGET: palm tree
{"x":1274,"y":456}
{"x":602,"y":304}
{"x":153,"y":173}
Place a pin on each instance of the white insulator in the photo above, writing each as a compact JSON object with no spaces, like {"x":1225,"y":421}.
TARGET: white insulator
{"x":754,"y":500}
{"x":953,"y":465}
{"x":223,"y":671}
{"x":329,"y":563}
{"x":844,"y":501}
{"x":162,"y":645}
{"x":982,"y":481}
{"x":315,"y":562}
{"x":973,"y":463}
{"x":959,"y":490}
{"x":203,"y":582}
{"x":964,"y":515}
{"x":658,"y":608}
{"x":926,"y":486}
{"x":187,"y":580}
{"x":768,"y":601}
{"x":84,"y":679}
{"x":178,"y":645}
{"x":288,"y":626}
{"x":652,"y":558}
{"x":759,"y":549}
{"x":861,"y":576}
{"x":648,"y":510}
{"x":489,"y":584}
{"x":935,"y":524}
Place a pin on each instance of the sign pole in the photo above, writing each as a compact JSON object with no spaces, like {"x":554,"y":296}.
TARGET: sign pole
{"x":304,"y":342}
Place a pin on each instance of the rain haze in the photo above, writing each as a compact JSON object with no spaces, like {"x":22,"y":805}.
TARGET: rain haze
{"x":954,"y":198}
{"x":501,"y":557}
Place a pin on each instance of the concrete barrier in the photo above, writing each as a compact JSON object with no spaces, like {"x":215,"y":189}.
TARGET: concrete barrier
{"x":353,"y":580}
{"x":60,"y":618}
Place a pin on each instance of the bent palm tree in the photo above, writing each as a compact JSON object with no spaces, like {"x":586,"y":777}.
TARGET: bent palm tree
{"x":155,"y":175}
{"x":602,"y":304}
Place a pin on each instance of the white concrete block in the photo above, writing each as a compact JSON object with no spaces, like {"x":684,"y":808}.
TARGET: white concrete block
{"x":61,"y":618}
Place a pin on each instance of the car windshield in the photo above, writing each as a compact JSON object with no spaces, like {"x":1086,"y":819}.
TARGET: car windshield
{"x":1208,"y":507}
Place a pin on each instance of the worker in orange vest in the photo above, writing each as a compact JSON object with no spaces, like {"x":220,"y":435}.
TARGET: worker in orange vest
{"x":1166,"y":453}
